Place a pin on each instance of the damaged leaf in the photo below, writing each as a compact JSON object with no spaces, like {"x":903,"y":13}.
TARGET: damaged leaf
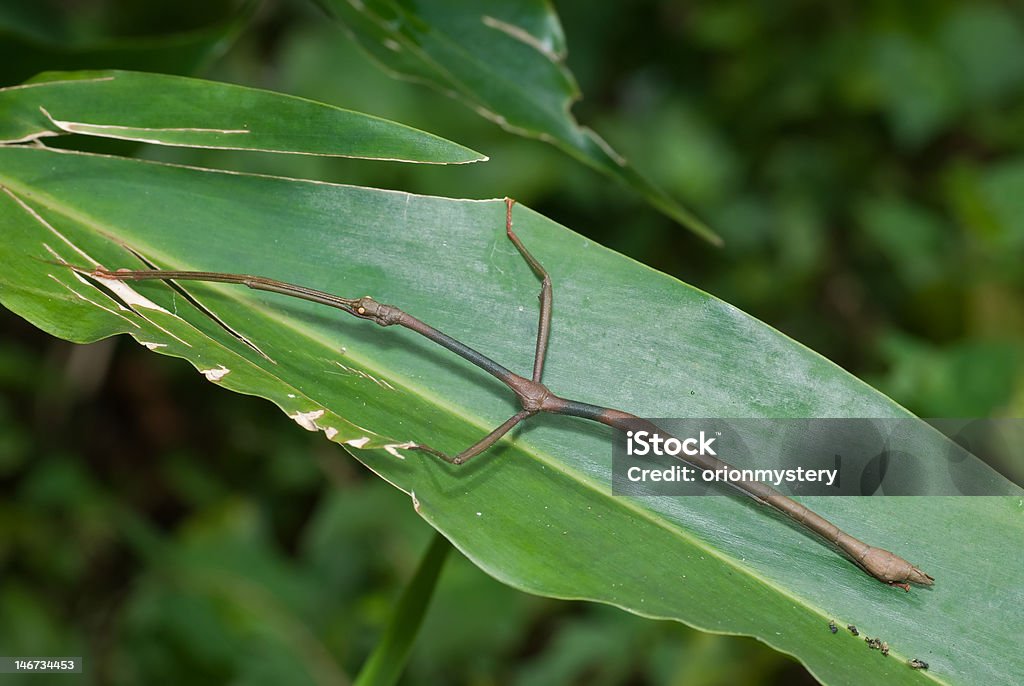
{"x":506,"y":60}
{"x":179,"y":111}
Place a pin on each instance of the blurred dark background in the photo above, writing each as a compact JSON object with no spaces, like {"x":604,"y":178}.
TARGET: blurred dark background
{"x":863,"y":160}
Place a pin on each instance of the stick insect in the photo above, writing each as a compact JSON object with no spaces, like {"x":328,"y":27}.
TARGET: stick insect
{"x":535,"y":397}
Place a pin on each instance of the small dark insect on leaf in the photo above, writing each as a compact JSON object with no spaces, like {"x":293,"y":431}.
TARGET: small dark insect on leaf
{"x":873,"y":643}
{"x":832,"y":626}
{"x":917,"y":664}
{"x":853,"y":629}
{"x":885,"y":649}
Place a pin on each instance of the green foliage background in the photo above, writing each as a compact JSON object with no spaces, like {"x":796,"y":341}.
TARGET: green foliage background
{"x":864,"y":163}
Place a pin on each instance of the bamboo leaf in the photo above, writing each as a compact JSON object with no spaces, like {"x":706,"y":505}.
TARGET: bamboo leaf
{"x":536,"y":512}
{"x":506,"y":60}
{"x":179,"y":111}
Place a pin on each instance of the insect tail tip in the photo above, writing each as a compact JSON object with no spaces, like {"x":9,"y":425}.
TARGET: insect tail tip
{"x":919,"y":577}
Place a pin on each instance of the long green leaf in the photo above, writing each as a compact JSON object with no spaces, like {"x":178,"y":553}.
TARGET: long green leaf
{"x":536,"y":512}
{"x":507,"y":61}
{"x":174,"y":110}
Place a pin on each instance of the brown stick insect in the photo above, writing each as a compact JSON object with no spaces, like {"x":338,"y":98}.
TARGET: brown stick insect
{"x":535,"y":397}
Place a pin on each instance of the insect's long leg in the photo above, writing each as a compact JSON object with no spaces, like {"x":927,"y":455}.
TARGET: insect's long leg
{"x":481,"y":445}
{"x":363,"y":308}
{"x":544,"y":326}
{"x":259,"y":283}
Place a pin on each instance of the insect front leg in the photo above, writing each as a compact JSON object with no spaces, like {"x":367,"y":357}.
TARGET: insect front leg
{"x":481,"y":445}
